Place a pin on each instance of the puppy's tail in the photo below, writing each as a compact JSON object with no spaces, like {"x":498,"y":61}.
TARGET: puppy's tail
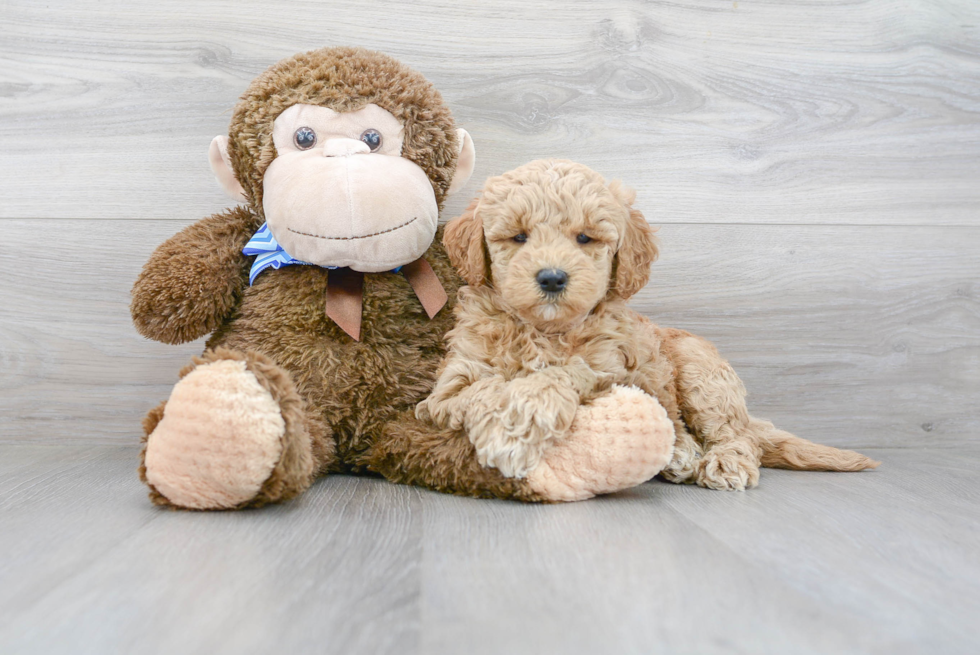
{"x":782,"y":450}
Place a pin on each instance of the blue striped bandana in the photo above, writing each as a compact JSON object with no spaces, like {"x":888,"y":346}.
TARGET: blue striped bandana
{"x":269,"y":252}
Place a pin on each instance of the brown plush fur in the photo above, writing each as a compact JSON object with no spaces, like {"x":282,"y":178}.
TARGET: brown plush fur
{"x":338,"y":396}
{"x":150,"y":422}
{"x":443,"y":460}
{"x":540,"y":357}
{"x":194,"y":279}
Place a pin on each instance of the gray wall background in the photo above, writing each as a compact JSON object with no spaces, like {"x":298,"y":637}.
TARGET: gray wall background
{"x":815,"y":168}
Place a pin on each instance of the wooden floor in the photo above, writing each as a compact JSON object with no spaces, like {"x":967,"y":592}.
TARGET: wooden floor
{"x":876,"y":562}
{"x":815,"y":168}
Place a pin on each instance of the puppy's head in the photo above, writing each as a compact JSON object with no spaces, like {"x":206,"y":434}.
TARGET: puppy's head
{"x":553,"y":239}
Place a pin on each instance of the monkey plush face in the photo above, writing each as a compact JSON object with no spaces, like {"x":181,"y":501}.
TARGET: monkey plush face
{"x":348,"y":155}
{"x":339,"y":192}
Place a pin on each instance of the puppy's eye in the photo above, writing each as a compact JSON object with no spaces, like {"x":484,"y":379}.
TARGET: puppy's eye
{"x":583,"y":238}
{"x":520,"y":238}
{"x":304,"y":138}
{"x":372,"y":138}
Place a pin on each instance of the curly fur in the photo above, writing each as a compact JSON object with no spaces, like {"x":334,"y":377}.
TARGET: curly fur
{"x":520,"y":361}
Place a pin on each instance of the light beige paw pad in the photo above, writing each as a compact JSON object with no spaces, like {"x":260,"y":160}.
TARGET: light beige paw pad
{"x":620,"y":440}
{"x":219,"y":439}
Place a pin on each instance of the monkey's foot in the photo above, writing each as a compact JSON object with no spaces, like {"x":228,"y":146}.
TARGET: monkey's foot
{"x":620,"y":440}
{"x":231,"y":435}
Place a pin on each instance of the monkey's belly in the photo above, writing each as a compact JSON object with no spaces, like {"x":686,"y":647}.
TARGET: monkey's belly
{"x":354,"y":386}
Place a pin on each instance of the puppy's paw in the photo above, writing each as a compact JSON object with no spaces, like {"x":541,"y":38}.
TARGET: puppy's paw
{"x":438,"y":413}
{"x":500,"y":446}
{"x":729,"y":467}
{"x":622,"y":439}
{"x":427,"y":411}
{"x":533,"y":412}
{"x":683,"y":465}
{"x":512,"y":437}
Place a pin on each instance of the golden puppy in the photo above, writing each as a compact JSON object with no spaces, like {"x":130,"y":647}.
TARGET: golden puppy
{"x":551,"y":253}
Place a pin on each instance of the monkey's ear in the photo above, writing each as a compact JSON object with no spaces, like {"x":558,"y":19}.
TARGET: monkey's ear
{"x":465,"y":162}
{"x":221,"y":167}
{"x":463,"y":239}
{"x":638,"y":249}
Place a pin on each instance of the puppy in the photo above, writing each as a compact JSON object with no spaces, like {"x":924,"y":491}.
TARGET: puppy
{"x":551,"y":252}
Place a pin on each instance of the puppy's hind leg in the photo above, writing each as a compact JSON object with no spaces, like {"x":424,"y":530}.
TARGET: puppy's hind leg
{"x":712,"y":401}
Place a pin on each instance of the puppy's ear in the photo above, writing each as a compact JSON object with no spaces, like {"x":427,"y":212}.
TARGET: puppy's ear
{"x":463,"y":239}
{"x":638,"y":249}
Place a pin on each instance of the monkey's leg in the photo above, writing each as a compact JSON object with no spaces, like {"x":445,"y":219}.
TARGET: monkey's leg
{"x":618,"y":441}
{"x":411,"y":451}
{"x":233,"y":434}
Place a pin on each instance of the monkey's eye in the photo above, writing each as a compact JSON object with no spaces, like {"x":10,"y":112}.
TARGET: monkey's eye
{"x":583,"y":238}
{"x":304,"y":138}
{"x":372,"y":138}
{"x":520,"y":238}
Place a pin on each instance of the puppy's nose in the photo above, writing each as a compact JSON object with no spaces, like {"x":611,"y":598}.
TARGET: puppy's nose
{"x":552,"y":280}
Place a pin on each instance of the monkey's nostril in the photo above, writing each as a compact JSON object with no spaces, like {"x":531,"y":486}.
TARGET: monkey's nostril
{"x":552,"y":280}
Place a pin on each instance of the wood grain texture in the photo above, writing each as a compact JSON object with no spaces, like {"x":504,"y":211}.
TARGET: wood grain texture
{"x":876,"y":562}
{"x":853,"y":336}
{"x":749,"y":112}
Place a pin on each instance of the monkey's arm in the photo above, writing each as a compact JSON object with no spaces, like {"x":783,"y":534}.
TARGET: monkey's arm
{"x":194,"y":279}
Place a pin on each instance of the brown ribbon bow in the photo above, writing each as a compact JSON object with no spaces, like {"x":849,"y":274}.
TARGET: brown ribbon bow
{"x":345,"y":291}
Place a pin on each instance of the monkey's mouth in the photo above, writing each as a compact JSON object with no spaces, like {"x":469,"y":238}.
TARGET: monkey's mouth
{"x":362,"y":236}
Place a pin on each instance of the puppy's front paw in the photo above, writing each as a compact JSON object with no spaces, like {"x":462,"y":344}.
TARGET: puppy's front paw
{"x":619,"y":441}
{"x":500,"y":446}
{"x":425,"y":411}
{"x":512,"y":438}
{"x":533,"y":413}
{"x":683,"y":465}
{"x":729,"y":467}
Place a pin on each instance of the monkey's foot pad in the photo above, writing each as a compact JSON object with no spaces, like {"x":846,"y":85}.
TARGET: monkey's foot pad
{"x":619,"y":441}
{"x":219,"y":439}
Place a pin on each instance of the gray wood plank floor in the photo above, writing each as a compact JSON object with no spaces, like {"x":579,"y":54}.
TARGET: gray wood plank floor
{"x":877,"y":562}
{"x":816,"y":168}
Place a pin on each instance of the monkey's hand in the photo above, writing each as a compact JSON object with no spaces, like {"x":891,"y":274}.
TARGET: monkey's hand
{"x":195,"y":278}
